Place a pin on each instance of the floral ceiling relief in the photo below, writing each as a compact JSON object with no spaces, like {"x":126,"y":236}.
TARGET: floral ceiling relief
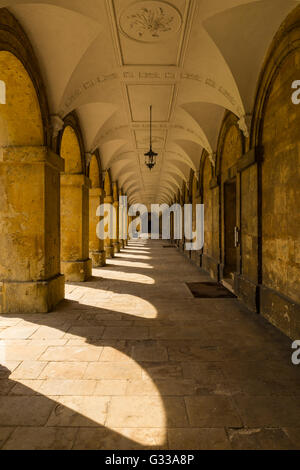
{"x":150,"y":21}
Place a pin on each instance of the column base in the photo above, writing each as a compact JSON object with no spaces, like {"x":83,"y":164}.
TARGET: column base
{"x":77,"y":271}
{"x":31,"y":297}
{"x":117,"y":247}
{"x":110,"y":252}
{"x":98,"y":258}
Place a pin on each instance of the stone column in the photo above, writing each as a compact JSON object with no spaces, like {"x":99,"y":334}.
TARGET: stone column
{"x":97,"y":249}
{"x":172,"y":228}
{"x":75,"y":264}
{"x":108,"y":243}
{"x":186,"y":201}
{"x":30,"y":279}
{"x":182,"y":202}
{"x":129,"y":221}
{"x":116,"y":241}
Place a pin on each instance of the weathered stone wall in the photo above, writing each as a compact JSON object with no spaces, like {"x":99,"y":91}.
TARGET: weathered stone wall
{"x":208,"y":208}
{"x":281,"y":184}
{"x":232,"y":147}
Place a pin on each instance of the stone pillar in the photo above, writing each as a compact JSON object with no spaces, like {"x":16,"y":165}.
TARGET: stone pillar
{"x":172,"y":228}
{"x":30,"y":279}
{"x":75,"y":264}
{"x":97,"y":249}
{"x":186,"y":201}
{"x":116,"y":241}
{"x":129,"y":221}
{"x":108,"y":199}
{"x":182,"y":241}
{"x":108,"y":243}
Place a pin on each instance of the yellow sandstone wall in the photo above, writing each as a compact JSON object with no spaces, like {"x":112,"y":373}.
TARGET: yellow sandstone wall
{"x":30,"y":278}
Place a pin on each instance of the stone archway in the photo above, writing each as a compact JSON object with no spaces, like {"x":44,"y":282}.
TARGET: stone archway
{"x":30,"y":279}
{"x":75,"y":262}
{"x":96,"y":244}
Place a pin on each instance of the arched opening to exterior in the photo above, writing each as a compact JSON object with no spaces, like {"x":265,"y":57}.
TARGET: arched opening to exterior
{"x":75,"y":262}
{"x":96,"y":243}
{"x":29,"y":195}
{"x":108,"y":229}
{"x":116,"y":240}
{"x":137,"y":358}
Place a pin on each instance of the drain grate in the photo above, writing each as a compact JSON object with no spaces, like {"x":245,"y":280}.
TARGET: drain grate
{"x":209,"y":290}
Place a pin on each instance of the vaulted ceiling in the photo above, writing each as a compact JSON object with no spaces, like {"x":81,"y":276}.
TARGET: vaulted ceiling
{"x":191,"y":59}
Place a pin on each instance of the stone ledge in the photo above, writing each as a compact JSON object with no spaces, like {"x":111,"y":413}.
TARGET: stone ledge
{"x":248,"y":160}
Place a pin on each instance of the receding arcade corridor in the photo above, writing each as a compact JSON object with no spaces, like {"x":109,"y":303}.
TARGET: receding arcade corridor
{"x":178,"y":119}
{"x":131,"y":360}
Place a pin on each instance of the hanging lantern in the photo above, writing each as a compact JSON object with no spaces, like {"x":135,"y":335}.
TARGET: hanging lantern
{"x":150,"y":157}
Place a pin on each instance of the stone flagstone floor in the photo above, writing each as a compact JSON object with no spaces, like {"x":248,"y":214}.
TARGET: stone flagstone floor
{"x":132,"y":361}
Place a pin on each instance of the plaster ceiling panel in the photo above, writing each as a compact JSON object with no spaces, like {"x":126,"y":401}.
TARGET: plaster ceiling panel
{"x":90,"y":8}
{"x":150,"y":32}
{"x":208,"y":74}
{"x":92,"y":117}
{"x":243,"y":35}
{"x":95,"y":78}
{"x":116,"y":128}
{"x":208,"y":8}
{"x":142,"y":96}
{"x":51,"y":32}
{"x":158,"y":139}
{"x":209,"y":118}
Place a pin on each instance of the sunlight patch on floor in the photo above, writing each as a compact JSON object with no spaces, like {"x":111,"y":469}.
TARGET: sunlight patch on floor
{"x":132,"y":256}
{"x":109,"y":300}
{"x":128,"y":264}
{"x":123,"y":276}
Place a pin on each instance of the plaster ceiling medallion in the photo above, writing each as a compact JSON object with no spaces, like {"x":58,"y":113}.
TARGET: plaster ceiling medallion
{"x":150,"y":21}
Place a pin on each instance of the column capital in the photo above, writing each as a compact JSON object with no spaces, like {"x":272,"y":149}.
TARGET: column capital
{"x":96,"y":192}
{"x":57,"y":124}
{"x":69,"y":179}
{"x":88,"y":158}
{"x":28,"y":155}
{"x":245,"y":124}
{"x":108,"y":200}
{"x":213,"y":158}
